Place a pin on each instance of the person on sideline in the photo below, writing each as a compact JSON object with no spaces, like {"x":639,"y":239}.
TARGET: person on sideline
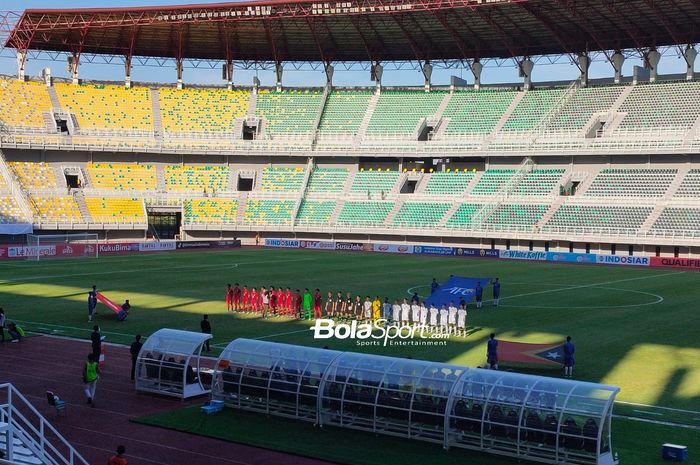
{"x":492,"y":352}
{"x":92,"y":302}
{"x":96,"y":340}
{"x":478,"y":294}
{"x":134,"y":350}
{"x":434,"y":286}
{"x":206,"y":329}
{"x":2,"y":324}
{"x":496,"y":291}
{"x":90,"y":376}
{"x":569,"y":350}
{"x":229,"y":298}
{"x":118,"y":459}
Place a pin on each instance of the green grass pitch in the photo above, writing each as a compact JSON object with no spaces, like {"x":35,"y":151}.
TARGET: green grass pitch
{"x":633,"y":327}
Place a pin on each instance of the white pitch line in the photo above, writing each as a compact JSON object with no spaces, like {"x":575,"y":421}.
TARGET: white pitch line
{"x":648,"y":413}
{"x":671,"y":409}
{"x":70,"y":327}
{"x":657,"y":422}
{"x":283,"y":334}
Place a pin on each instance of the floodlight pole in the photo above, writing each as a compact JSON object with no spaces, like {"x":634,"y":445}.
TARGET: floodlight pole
{"x":584,"y":63}
{"x":427,"y":74}
{"x":279,"y":70}
{"x":690,"y":55}
{"x":617,"y":60}
{"x":651,"y":62}
{"x":526,"y":67}
{"x":21,"y":61}
{"x":477,"y":67}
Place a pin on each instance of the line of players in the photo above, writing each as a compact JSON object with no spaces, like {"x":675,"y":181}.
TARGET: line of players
{"x":270,"y":302}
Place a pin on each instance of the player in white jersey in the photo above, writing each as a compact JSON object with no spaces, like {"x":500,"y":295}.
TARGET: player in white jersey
{"x":405,"y":309}
{"x":452,"y":317}
{"x":423,"y":314}
{"x":433,"y":317}
{"x":396,"y":311}
{"x":462,"y":321}
{"x":444,"y":313}
{"x":367,"y":305}
{"x":415,"y":313}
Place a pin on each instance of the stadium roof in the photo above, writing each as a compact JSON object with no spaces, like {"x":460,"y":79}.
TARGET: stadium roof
{"x":362,"y":30}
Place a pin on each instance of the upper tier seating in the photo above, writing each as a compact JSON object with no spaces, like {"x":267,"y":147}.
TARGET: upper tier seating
{"x":291,"y":111}
{"x":10,"y":212}
{"x":690,"y":186}
{"x":374,"y":182}
{"x":197,"y":178}
{"x":344,"y":112}
{"x":211,"y":211}
{"x":103,"y":107}
{"x":316,"y":212}
{"x":33,"y":175}
{"x":476,"y":111}
{"x":673,"y":105}
{"x":598,"y":216}
{"x":582,"y":105}
{"x":508,"y":215}
{"x":56,"y":209}
{"x":631,"y":182}
{"x":115,"y":210}
{"x":492,"y":181}
{"x":448,"y":182}
{"x":330,"y":180}
{"x":462,"y":218}
{"x":678,"y":219}
{"x":420,"y":214}
{"x":264,"y":212}
{"x":201,"y":110}
{"x":282,"y":179}
{"x":398,"y":112}
{"x":364,"y":213}
{"x":541,"y":181}
{"x":533,"y":107}
{"x":22,"y":103}
{"x":122,"y":176}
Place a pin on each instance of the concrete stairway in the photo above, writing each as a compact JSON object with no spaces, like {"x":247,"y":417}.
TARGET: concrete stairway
{"x":157,"y":119}
{"x":79,"y":198}
{"x":362,"y":130}
{"x":449,"y":213}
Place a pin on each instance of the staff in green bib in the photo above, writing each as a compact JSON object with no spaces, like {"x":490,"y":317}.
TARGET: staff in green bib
{"x":91,"y":373}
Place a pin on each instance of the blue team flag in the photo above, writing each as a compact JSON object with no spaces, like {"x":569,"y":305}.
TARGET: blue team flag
{"x":455,"y":289}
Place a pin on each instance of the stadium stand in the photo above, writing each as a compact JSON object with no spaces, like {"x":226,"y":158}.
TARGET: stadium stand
{"x":420,"y":214}
{"x":10,"y":211}
{"x":364,"y":213}
{"x":398,"y":112}
{"x":59,"y":209}
{"x":22,"y":104}
{"x":476,"y":111}
{"x":291,"y":111}
{"x":317,"y":212}
{"x":374,"y":182}
{"x":201,"y":110}
{"x":344,"y":111}
{"x":33,"y":175}
{"x":210,"y":211}
{"x":122,"y":177}
{"x":661,"y":106}
{"x":539,"y":182}
{"x":492,"y":181}
{"x":448,"y":182}
{"x":507,"y":216}
{"x":116,"y":209}
{"x":103,"y":107}
{"x":678,"y":220}
{"x":462,"y":218}
{"x":598,"y":216}
{"x":631,"y":182}
{"x":690,"y":186}
{"x":327,"y":180}
{"x":196,"y":178}
{"x":533,"y":107}
{"x":281,"y":179}
{"x":577,"y":111}
{"x":264,"y":212}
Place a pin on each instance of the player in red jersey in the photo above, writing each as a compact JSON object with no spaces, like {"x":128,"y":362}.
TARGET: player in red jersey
{"x":246,"y":299}
{"x":254,"y":301}
{"x":280,"y":301}
{"x":288,"y":308}
{"x":273,"y":301}
{"x":229,"y":298}
{"x":237,"y":297}
{"x":317,"y":304}
{"x":296,"y":304}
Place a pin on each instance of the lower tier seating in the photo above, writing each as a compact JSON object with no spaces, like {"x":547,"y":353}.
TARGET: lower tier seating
{"x":462,"y":218}
{"x":492,"y":181}
{"x":264,"y":212}
{"x":678,"y":219}
{"x":116,"y":210}
{"x":210,"y":211}
{"x":123,"y":177}
{"x":364,"y":213}
{"x":508,"y":215}
{"x":599,"y":216}
{"x":374,"y":182}
{"x":420,"y":214}
{"x":330,"y":180}
{"x":10,"y":212}
{"x":448,"y":182}
{"x":690,"y":186}
{"x":315,"y":212}
{"x":631,"y":182}
{"x":56,"y":210}
{"x":34,"y":175}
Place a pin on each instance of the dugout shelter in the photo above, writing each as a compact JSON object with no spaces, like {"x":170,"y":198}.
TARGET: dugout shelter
{"x":518,"y":415}
{"x":169,"y":364}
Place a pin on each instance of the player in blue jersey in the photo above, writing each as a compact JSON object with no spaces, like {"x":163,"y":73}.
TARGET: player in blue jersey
{"x":478,"y":294}
{"x":496,"y":291}
{"x":492,"y":352}
{"x":433,"y":286}
{"x":569,"y":350}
